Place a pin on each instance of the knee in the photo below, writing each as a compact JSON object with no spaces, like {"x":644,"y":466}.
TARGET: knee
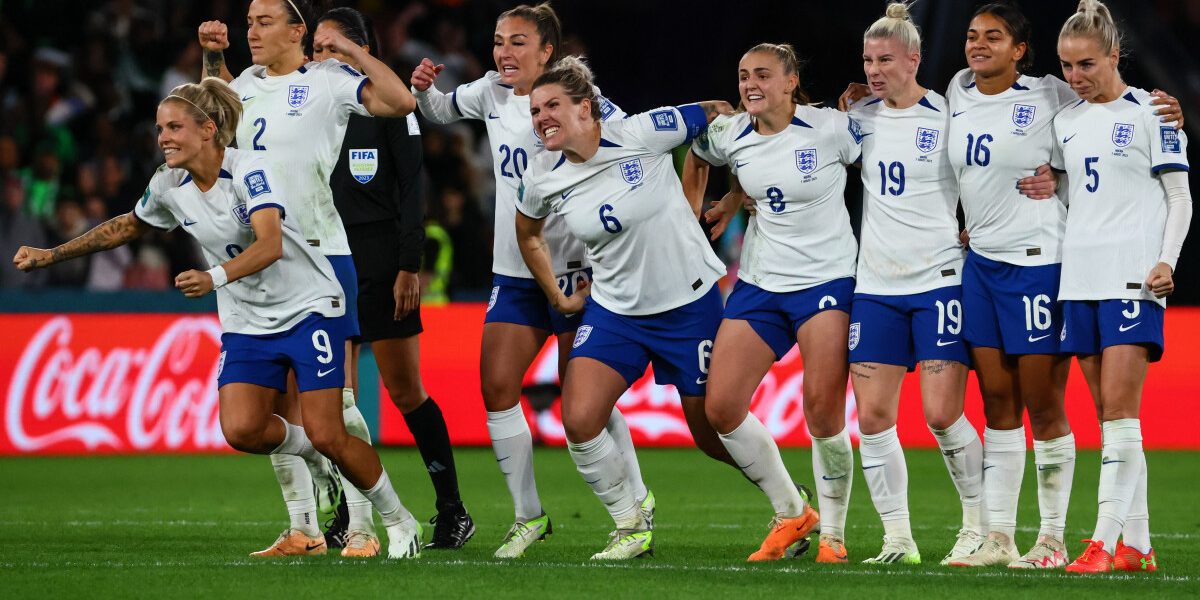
{"x":825,"y":414}
{"x":580,"y":428}
{"x":245,"y":437}
{"x":499,"y":393}
{"x":326,"y":440}
{"x":942,"y":419}
{"x":723,"y":416}
{"x":406,"y":400}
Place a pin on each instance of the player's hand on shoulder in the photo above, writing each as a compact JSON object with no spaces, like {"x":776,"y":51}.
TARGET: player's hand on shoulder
{"x":193,"y":283}
{"x":854,"y":92}
{"x":1169,"y":110}
{"x":425,"y":74}
{"x":214,"y":36}
{"x":1041,"y":185}
{"x":1161,"y":281}
{"x":29,"y":258}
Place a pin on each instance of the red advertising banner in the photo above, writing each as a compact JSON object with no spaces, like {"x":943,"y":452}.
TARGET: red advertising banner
{"x":127,"y":383}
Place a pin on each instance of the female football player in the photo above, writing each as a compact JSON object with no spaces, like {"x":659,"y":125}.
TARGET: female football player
{"x":527,"y":41}
{"x":794,"y":287}
{"x":278,"y":298}
{"x":1130,"y":210}
{"x":653,"y":297}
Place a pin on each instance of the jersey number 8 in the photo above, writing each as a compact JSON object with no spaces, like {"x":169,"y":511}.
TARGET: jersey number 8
{"x":776,"y":197}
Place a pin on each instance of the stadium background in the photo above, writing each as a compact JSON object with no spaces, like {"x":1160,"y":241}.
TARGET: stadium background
{"x":101,"y":356}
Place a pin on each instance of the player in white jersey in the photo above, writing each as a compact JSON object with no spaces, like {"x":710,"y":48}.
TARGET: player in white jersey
{"x":653,"y":297}
{"x":908,"y":299}
{"x":1130,"y":211}
{"x":295,"y":113}
{"x":278,"y":299}
{"x":794,"y":287}
{"x":519,"y":318}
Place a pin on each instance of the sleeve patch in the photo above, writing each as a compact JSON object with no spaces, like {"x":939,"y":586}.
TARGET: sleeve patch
{"x":664,"y":120}
{"x":146,"y":196}
{"x":1170,"y":139}
{"x":256,"y":183}
{"x":606,"y":108}
{"x":521,"y":192}
{"x":855,"y":130}
{"x":350,"y":70}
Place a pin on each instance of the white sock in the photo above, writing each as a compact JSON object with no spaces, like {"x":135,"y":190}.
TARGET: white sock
{"x":887,"y":479}
{"x":833,"y":463}
{"x":513,"y":445}
{"x":1003,"y":470}
{"x":296,"y":483}
{"x":603,"y":468}
{"x":1120,"y":464}
{"x":385,"y":500}
{"x":296,"y":442}
{"x":963,"y":453}
{"x":756,"y":454}
{"x":619,"y":430}
{"x":357,"y":505}
{"x":356,"y":424}
{"x":1055,"y":460}
{"x":1136,"y":533}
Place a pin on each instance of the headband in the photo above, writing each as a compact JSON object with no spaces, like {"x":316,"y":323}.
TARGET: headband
{"x":206,"y":115}
{"x":298,"y":13}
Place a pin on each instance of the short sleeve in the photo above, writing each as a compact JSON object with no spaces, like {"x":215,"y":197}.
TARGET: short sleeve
{"x":1062,"y":92}
{"x":529,"y":202}
{"x":153,"y":209}
{"x":609,"y":111}
{"x":472,"y":100}
{"x":255,"y":184}
{"x":848,"y":136}
{"x":664,"y":128}
{"x":1168,"y":146}
{"x":346,"y":85}
{"x":1057,"y":162}
{"x":709,"y":146}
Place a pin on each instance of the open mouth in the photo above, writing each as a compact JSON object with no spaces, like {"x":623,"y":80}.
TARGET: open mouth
{"x":508,"y":70}
{"x":549,"y":131}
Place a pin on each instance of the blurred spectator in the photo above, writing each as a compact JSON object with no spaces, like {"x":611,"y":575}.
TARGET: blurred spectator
{"x":69,"y":223}
{"x":150,"y":271}
{"x":41,"y":181}
{"x":463,"y":223}
{"x":17,"y":229}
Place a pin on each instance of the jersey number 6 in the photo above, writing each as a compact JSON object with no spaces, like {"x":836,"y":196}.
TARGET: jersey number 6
{"x":610,"y":223}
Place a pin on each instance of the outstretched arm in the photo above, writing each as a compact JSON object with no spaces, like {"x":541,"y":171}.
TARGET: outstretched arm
{"x":114,"y":232}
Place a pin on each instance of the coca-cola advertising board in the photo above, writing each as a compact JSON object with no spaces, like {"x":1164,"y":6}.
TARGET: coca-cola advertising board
{"x":129,"y":383}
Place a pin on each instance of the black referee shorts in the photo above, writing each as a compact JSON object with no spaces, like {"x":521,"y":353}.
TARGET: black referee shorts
{"x":376,"y":250}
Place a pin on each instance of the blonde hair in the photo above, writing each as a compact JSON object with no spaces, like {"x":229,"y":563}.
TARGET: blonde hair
{"x":1092,"y":19}
{"x":210,"y":100}
{"x":575,"y":77}
{"x":896,"y":23}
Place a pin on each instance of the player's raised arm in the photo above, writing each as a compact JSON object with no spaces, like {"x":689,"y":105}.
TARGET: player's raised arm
{"x":117,"y":231}
{"x":384,"y":94}
{"x":214,"y":39}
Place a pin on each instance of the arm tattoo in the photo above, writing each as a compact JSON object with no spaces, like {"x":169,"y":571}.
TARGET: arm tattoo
{"x":114,"y":232}
{"x":213,"y":61}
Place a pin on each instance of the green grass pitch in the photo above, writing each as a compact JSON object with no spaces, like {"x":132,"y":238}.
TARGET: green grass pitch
{"x":181,"y":526}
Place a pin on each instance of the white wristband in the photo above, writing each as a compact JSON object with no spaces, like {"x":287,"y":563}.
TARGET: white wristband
{"x":219,"y":277}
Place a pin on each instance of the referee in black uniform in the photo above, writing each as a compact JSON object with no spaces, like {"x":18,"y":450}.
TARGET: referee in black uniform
{"x":377,"y":190}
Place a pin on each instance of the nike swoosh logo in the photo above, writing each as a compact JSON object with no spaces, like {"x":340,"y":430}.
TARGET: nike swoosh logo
{"x":493,"y":116}
{"x":957,"y":113}
{"x":324,"y":373}
{"x":568,"y":193}
{"x":188,"y":222}
{"x":1047,"y":467}
{"x":701,"y":380}
{"x":865,"y":467}
{"x":1067,"y":139}
{"x":247,"y":98}
{"x":986,"y":467}
{"x":828,"y":478}
{"x":1123,"y":328}
{"x":311,"y":547}
{"x":1035,"y":339}
{"x":1109,"y":462}
{"x":939,"y":343}
{"x":503,"y":459}
{"x":738,"y":164}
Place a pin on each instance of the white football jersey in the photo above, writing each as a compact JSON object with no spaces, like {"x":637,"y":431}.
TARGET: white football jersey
{"x":626,"y":204}
{"x":801,"y":235}
{"x":909,"y":232}
{"x":1112,"y":153}
{"x":269,"y":301}
{"x":298,"y":122}
{"x":514,"y":144}
{"x":995,"y":141}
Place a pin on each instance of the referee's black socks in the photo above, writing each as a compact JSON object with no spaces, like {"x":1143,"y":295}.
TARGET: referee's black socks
{"x":428,"y":428}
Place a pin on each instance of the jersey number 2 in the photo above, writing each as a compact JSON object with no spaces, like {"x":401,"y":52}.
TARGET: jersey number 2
{"x":260,"y":124}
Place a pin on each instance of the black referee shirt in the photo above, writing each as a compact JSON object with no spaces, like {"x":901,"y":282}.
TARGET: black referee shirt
{"x":378,"y":178}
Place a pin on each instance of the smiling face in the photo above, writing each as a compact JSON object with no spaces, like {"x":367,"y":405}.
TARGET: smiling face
{"x":270,"y":36}
{"x":1090,"y":71}
{"x":180,"y":137}
{"x":889,"y":66}
{"x":990,"y":47}
{"x":519,"y":52}
{"x":561,"y":123}
{"x":762,"y":83}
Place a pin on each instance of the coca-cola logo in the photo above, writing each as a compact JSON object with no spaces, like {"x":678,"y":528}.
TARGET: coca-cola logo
{"x":67,"y":394}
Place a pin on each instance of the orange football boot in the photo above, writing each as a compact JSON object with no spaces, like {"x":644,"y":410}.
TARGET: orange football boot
{"x":1093,"y":560}
{"x":832,"y":550}
{"x":784,"y":533}
{"x":293,"y":542}
{"x":1126,"y":558}
{"x":361,"y":544}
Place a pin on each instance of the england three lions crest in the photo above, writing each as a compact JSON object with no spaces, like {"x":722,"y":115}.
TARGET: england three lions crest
{"x":855,"y":335}
{"x":1023,"y":114}
{"x":927,"y":139}
{"x":806,"y":160}
{"x":631,"y":171}
{"x":1122,"y":134}
{"x":297,"y":95}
